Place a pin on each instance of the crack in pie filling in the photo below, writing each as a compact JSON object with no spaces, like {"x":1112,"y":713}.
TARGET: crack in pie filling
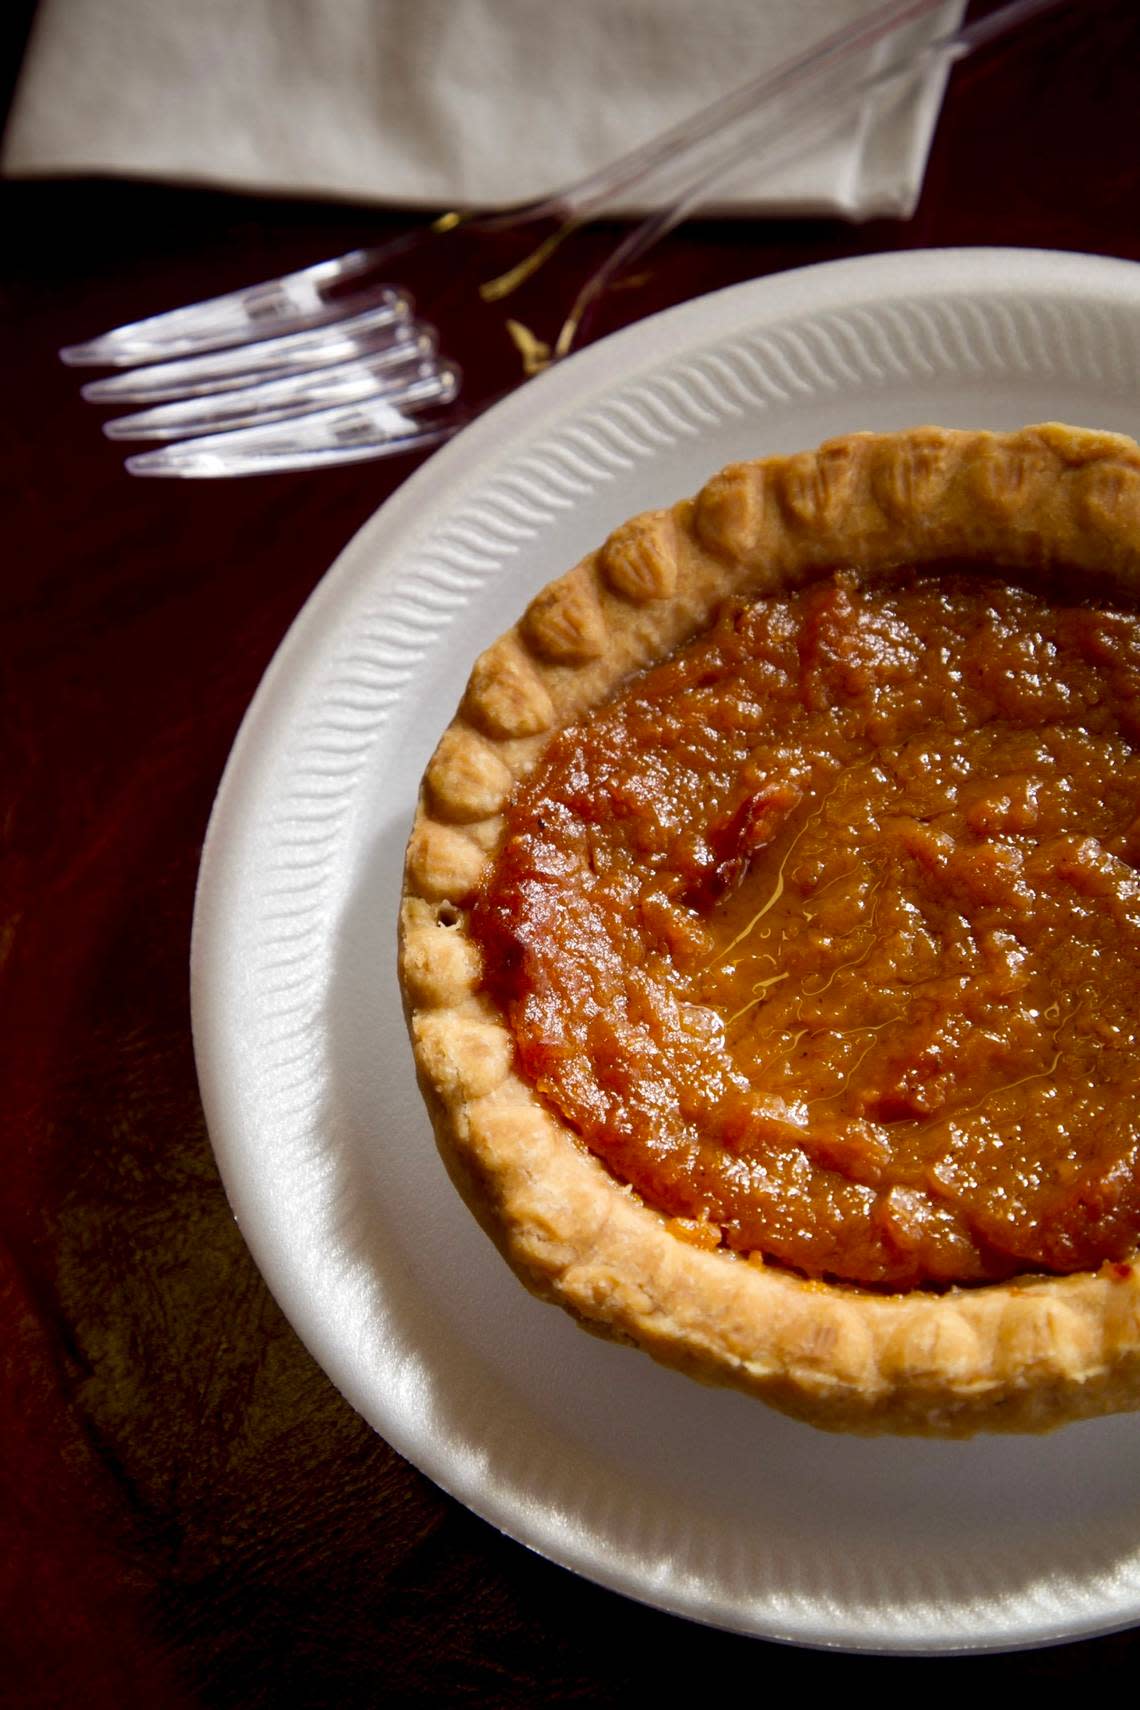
{"x":770,"y":933}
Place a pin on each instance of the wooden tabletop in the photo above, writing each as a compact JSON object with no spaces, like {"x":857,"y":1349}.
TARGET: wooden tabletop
{"x":194,"y":1516}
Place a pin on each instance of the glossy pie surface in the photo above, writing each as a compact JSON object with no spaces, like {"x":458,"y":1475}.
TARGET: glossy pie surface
{"x":822,"y":934}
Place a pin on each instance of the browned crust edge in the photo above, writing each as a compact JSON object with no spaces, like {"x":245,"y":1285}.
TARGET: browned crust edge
{"x":1022,"y":1356}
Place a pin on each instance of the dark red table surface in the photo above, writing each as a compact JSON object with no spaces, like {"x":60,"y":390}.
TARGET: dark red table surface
{"x":192,"y":1515}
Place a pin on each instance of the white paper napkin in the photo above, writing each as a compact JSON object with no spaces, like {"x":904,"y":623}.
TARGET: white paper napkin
{"x":435,"y":102}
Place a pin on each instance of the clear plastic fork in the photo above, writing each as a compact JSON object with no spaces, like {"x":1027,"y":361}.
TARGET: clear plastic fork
{"x":328,"y":364}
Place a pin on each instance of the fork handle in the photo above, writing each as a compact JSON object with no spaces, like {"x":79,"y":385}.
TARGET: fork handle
{"x":782,"y":134}
{"x":805,"y":72}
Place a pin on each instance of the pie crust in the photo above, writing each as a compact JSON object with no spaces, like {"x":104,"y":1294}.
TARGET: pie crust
{"x":1025,"y":1355}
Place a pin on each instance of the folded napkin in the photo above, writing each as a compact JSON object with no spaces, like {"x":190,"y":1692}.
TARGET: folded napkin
{"x":438,"y":102}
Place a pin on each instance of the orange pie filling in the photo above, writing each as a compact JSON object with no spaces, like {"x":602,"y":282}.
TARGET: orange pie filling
{"x":823,"y":933}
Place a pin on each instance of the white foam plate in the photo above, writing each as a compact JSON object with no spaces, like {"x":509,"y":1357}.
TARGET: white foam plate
{"x":698,"y":1501}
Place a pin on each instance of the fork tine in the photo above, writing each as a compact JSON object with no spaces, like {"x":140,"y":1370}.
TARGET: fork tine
{"x":351,"y":433}
{"x":291,"y":303}
{"x":380,"y":328}
{"x":415,"y":385}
